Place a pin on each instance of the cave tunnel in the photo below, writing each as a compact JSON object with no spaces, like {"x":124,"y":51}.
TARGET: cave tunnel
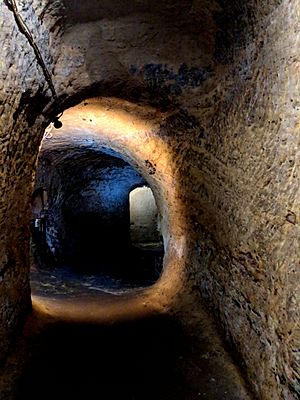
{"x":192,"y":292}
{"x":94,"y":218}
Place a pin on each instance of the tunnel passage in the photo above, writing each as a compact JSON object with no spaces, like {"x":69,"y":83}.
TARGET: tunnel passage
{"x":233,"y":230}
{"x":82,"y":209}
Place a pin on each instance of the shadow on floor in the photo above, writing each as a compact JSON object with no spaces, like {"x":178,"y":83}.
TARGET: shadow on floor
{"x":134,"y":360}
{"x":143,"y":355}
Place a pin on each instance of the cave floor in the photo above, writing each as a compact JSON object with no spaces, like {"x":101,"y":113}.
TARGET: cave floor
{"x":106,"y":346}
{"x":64,"y":281}
{"x":138,"y":269}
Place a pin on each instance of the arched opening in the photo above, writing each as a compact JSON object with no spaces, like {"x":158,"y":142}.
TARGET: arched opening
{"x":145,"y":235}
{"x":131,"y":132}
{"x":82,"y":238}
{"x":144,"y":218}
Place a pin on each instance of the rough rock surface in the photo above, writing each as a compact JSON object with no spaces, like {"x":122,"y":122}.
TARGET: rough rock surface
{"x":219,"y":147}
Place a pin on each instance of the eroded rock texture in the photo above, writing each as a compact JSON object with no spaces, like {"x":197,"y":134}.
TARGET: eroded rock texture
{"x":219,"y":146}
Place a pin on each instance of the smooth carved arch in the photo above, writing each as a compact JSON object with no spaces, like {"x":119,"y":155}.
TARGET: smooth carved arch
{"x":134,"y":131}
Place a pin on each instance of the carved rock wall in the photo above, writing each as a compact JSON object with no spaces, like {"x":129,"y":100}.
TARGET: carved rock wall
{"x":224,"y":79}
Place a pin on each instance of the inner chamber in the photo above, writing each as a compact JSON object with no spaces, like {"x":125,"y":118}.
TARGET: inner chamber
{"x":95,"y":223}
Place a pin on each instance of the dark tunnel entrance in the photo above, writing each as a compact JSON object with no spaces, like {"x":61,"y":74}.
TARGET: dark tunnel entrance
{"x":95,"y":223}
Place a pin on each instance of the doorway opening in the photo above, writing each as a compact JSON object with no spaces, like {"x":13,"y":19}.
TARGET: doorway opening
{"x":145,"y":235}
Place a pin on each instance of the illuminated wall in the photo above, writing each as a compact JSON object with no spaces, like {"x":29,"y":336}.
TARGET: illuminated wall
{"x":144,"y":219}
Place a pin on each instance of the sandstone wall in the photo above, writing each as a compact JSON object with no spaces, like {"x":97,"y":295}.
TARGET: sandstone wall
{"x":249,"y":196}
